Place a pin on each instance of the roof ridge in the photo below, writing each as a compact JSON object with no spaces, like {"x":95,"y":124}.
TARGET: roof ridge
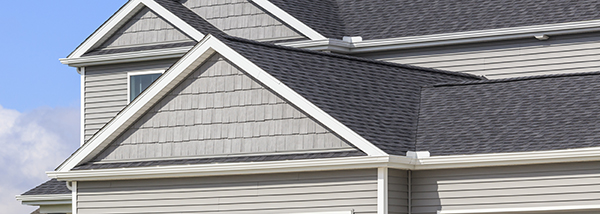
{"x":347,"y":57}
{"x":516,"y":79}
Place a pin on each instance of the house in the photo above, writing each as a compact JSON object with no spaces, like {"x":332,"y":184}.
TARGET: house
{"x":272,"y":106}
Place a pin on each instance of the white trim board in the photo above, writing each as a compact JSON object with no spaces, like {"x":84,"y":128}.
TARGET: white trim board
{"x":37,"y":200}
{"x":122,"y":16}
{"x":546,"y":209}
{"x":289,"y":20}
{"x":126,"y":57}
{"x":178,"y":72}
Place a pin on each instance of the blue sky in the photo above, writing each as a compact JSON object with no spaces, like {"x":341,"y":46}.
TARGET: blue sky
{"x":39,"y":97}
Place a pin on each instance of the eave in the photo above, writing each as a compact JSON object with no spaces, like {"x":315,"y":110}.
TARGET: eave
{"x":126,"y":57}
{"x":376,"y":45}
{"x":37,"y":200}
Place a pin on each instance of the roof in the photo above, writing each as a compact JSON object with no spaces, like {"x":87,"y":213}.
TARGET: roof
{"x":236,"y":159}
{"x":378,"y":19}
{"x":512,"y":115}
{"x":51,"y":187}
{"x":377,"y":100}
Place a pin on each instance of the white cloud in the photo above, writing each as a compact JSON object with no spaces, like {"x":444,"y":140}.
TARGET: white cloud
{"x":30,"y":144}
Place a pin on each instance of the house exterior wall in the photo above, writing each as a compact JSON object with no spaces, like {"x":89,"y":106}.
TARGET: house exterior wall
{"x":398,"y":191}
{"x":242,"y":19}
{"x":305,"y":192}
{"x":105,"y":91}
{"x":145,"y":28}
{"x":542,"y":186}
{"x":219,"y":110}
{"x":515,"y":58}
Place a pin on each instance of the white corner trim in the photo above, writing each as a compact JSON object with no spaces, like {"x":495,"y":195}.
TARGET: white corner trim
{"x":36,"y":200}
{"x":126,"y":57}
{"x":82,"y":107}
{"x":221,"y":169}
{"x":74,"y":197}
{"x":122,"y":16}
{"x":289,"y":20}
{"x":505,"y":159}
{"x":382,"y":191}
{"x":418,"y":155}
{"x":526,"y":210}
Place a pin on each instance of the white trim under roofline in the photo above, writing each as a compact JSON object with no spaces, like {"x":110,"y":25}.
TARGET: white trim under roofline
{"x":395,"y":162}
{"x":126,"y":57}
{"x":122,"y":16}
{"x":289,"y":20}
{"x":177,"y":73}
{"x":220,"y":169}
{"x":36,"y":200}
{"x":545,"y":209}
{"x":448,"y":38}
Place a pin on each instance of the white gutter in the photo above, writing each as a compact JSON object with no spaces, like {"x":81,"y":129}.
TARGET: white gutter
{"x":448,"y":38}
{"x":126,"y":57}
{"x":37,"y":200}
{"x":421,"y":162}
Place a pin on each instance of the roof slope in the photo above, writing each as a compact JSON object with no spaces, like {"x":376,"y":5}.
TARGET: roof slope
{"x":512,"y":115}
{"x":51,"y":187}
{"x":377,"y":100}
{"x":378,"y":19}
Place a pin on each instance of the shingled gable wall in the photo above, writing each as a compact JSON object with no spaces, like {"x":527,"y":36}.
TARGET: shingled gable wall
{"x":219,"y":110}
{"x":145,"y":28}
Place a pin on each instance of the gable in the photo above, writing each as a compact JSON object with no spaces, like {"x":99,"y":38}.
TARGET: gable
{"x":243,"y":19}
{"x":145,"y":28}
{"x":219,"y":110}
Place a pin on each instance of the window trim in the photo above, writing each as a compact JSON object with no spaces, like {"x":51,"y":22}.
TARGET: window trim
{"x":137,"y":73}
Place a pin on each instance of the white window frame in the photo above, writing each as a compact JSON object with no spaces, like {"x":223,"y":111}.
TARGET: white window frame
{"x":136,"y":73}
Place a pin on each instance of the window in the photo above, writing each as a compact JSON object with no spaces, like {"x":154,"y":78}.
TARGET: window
{"x":139,"y":81}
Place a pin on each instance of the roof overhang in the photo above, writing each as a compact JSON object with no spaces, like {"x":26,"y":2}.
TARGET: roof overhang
{"x":346,"y":163}
{"x":118,"y":20}
{"x":413,"y":42}
{"x":39,"y":200}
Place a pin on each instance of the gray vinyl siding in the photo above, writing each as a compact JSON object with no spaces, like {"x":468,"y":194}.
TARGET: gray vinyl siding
{"x":560,"y":54}
{"x":551,"y":185}
{"x":106,"y":91}
{"x":397,"y":191}
{"x":146,"y":27}
{"x":219,"y":110}
{"x":242,"y":19}
{"x":269,"y":193}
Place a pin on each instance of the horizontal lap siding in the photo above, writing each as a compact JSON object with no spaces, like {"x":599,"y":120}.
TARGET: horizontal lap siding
{"x":573,"y":184}
{"x":561,"y":54}
{"x":273,"y":193}
{"x":242,"y":19}
{"x":398,"y":191}
{"x":220,"y":110}
{"x":106,"y":91}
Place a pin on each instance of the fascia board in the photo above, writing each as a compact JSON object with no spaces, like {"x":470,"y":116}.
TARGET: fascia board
{"x":289,"y":20}
{"x":36,"y":200}
{"x":507,"y":159}
{"x":522,"y":210}
{"x":479,"y":36}
{"x":296,"y":99}
{"x":126,"y":57}
{"x":223,"y":169}
{"x":141,"y":104}
{"x":124,"y":15}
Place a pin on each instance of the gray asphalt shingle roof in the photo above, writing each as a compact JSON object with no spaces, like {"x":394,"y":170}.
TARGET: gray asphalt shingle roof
{"x":512,"y":115}
{"x":378,"y":19}
{"x":377,"y":100}
{"x":51,"y":187}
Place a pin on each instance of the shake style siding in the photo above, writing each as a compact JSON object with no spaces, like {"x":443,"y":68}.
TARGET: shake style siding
{"x":516,"y":58}
{"x":106,"y":91}
{"x":306,"y":192}
{"x":243,"y":19}
{"x":219,"y":110}
{"x":533,"y":186}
